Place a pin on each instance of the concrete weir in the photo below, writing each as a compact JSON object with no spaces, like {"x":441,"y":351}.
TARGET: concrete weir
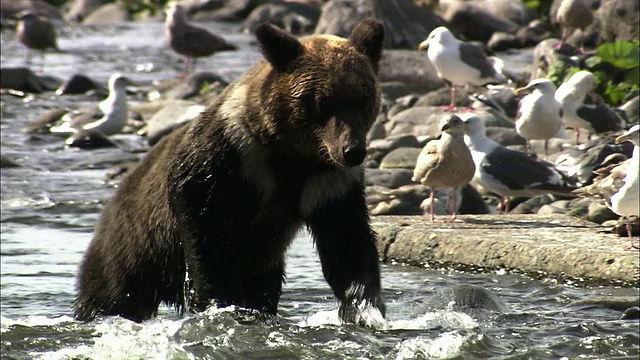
{"x":557,"y":245}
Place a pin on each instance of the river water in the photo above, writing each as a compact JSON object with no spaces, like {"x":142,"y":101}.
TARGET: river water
{"x":51,"y":203}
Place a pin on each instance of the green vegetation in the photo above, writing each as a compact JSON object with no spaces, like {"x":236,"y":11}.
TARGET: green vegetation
{"x":134,"y":7}
{"x":540,"y":7}
{"x":616,"y":67}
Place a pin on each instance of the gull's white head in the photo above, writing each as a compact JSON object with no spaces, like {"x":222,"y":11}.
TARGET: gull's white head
{"x":439,"y":35}
{"x":632,"y":135}
{"x":543,"y":85}
{"x":583,"y":81}
{"x":174,"y":11}
{"x":474,"y":126}
{"x":117,"y":81}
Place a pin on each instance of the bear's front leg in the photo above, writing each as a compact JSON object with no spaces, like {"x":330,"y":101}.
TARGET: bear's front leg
{"x":347,"y":248}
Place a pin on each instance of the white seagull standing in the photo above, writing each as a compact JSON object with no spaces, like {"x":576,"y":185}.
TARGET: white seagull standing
{"x":539,"y":115}
{"x":110,"y":116}
{"x":577,"y":113}
{"x":445,"y":163}
{"x":459,"y":63}
{"x":510,"y":173}
{"x":626,"y":201}
{"x":618,"y":184}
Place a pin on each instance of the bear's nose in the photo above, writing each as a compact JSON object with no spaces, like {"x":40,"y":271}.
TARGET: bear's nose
{"x":354,"y":154}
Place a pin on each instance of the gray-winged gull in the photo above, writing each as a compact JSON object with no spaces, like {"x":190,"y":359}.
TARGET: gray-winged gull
{"x":539,"y":114}
{"x":572,"y":15}
{"x":626,"y":201}
{"x":460,"y":63}
{"x":582,"y":108}
{"x":510,"y":173}
{"x":189,"y":40}
{"x":36,"y":32}
{"x":108,"y":118}
{"x":445,"y":163}
{"x":618,"y":184}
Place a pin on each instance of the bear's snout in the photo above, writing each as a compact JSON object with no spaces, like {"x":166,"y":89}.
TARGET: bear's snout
{"x":354,"y":153}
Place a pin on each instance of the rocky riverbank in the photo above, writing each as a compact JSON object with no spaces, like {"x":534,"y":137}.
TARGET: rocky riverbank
{"x":558,"y":246}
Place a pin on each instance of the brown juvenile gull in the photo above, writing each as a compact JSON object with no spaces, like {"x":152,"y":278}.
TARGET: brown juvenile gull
{"x":539,"y":114}
{"x":572,"y":15}
{"x":445,"y":163}
{"x":582,"y":108}
{"x":189,"y":40}
{"x":459,"y":63}
{"x":36,"y":32}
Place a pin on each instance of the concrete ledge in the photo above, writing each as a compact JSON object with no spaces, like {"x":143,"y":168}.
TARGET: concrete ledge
{"x":557,"y":245}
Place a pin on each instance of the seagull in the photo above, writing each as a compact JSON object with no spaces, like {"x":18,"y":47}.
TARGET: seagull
{"x":626,"y":200}
{"x":188,"y":40}
{"x":36,"y":32}
{"x":618,"y":184}
{"x":460,"y":63}
{"x":108,"y":118}
{"x":445,"y":163}
{"x":510,"y":173}
{"x":539,"y":115}
{"x":572,"y":15}
{"x":577,"y":113}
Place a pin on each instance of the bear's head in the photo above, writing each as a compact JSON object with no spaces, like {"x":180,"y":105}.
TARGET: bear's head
{"x":321,"y":93}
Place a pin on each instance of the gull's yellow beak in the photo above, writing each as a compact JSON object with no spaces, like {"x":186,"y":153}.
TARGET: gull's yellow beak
{"x":423,"y":45}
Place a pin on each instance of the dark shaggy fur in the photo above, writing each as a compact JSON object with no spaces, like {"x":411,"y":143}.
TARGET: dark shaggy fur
{"x":211,"y":210}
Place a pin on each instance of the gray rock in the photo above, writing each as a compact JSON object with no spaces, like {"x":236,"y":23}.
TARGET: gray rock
{"x":631,"y":110}
{"x":400,"y":158}
{"x":418,"y":121}
{"x":619,"y":303}
{"x":406,"y":24}
{"x":505,"y":136}
{"x":619,"y":20}
{"x":442,"y":97}
{"x":21,"y":79}
{"x":410,"y":67}
{"x":377,"y":131}
{"x":192,"y":85}
{"x":544,"y":55}
{"x":173,"y":114}
{"x":631,"y":313}
{"x":513,"y":10}
{"x":533,"y":33}
{"x":78,"y":84}
{"x":389,"y":178}
{"x":467,"y":298}
{"x":89,"y":139}
{"x":393,"y":142}
{"x":394,"y":89}
{"x":404,"y":200}
{"x":233,"y":10}
{"x":79,"y":9}
{"x":295,"y":17}
{"x":10,"y":8}
{"x":472,"y":202}
{"x":111,"y":13}
{"x":533,"y":205}
{"x":475,"y":22}
{"x":599,"y":212}
{"x":500,"y":41}
{"x":6,"y":163}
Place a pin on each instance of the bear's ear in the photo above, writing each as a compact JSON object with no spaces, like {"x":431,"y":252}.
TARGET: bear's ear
{"x":278,"y":46}
{"x":367,"y":37}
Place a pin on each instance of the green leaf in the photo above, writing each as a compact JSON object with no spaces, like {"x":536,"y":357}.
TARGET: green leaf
{"x":621,"y":54}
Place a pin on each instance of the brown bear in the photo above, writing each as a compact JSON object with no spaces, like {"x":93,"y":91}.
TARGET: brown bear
{"x":210,"y":211}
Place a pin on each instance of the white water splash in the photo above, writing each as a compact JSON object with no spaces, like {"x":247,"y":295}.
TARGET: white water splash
{"x":31,"y":321}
